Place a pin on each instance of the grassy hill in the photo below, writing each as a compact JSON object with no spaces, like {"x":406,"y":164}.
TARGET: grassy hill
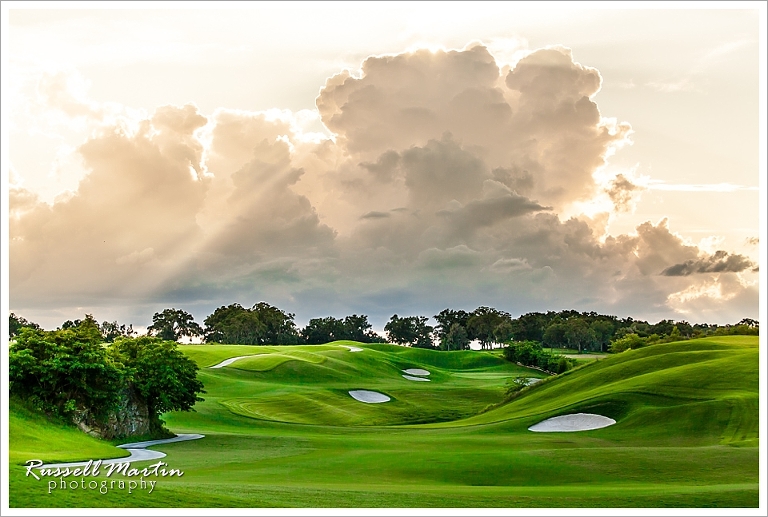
{"x":281,"y":430}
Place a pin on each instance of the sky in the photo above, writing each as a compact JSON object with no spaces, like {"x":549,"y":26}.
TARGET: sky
{"x":383,"y":158}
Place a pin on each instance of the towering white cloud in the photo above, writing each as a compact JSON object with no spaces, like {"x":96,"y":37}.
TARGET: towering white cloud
{"x":442,"y":186}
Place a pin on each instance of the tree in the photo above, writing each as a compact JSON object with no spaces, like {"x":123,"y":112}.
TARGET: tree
{"x":603,"y":330}
{"x":529,"y":327}
{"x":447,"y":318}
{"x":262,"y":324}
{"x":554,"y":335}
{"x":629,"y":341}
{"x":172,"y":324}
{"x":16,"y":323}
{"x":280,"y":328}
{"x":163,"y":375}
{"x":455,"y":339}
{"x":410,"y":330}
{"x":482,"y":323}
{"x":579,"y":335}
{"x":113,"y":330}
{"x":503,"y":331}
{"x":323,"y":330}
{"x":61,"y":371}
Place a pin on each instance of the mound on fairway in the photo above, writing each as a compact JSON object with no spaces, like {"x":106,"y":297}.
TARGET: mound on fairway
{"x":369,"y":397}
{"x":572,"y":423}
{"x":416,"y":371}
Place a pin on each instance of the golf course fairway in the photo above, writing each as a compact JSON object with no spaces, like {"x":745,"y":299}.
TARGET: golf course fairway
{"x":281,"y":430}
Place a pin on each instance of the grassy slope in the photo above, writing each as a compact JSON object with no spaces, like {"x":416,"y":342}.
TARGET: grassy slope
{"x":686,"y":433}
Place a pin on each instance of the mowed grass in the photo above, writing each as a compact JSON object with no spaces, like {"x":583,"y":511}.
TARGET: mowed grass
{"x":291,"y":436}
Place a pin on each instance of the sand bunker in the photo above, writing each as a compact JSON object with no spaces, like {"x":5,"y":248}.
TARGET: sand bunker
{"x":533,"y":380}
{"x":412,"y":378}
{"x":352,"y":348}
{"x":369,"y":397}
{"x":416,"y":371}
{"x":571,"y":423}
{"x":229,"y":361}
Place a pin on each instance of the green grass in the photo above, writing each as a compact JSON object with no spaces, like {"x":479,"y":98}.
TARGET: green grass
{"x":282,"y":431}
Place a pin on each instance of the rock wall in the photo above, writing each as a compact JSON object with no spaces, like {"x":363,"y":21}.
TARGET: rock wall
{"x":131,"y":418}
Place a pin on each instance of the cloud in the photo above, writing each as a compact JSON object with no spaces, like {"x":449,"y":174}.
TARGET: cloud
{"x":443,"y":185}
{"x":622,"y":192}
{"x":720,"y":262}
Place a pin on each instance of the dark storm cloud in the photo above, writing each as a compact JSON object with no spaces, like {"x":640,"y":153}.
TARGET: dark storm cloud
{"x":720,"y":262}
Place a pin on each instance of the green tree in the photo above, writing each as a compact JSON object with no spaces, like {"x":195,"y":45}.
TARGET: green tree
{"x":16,"y":323}
{"x":626,"y":342}
{"x":61,"y":371}
{"x":446,"y":319}
{"x":113,"y":330}
{"x":603,"y":330}
{"x":163,"y":375}
{"x":554,"y":335}
{"x":262,"y":324}
{"x":503,"y":331}
{"x":455,"y":339}
{"x":410,"y":330}
{"x":482,"y":323}
{"x":172,"y":324}
{"x":578,"y":334}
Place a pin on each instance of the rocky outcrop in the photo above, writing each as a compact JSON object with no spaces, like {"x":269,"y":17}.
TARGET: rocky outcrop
{"x":131,"y":418}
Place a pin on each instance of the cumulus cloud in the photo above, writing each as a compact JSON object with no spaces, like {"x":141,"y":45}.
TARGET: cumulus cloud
{"x":442,"y":186}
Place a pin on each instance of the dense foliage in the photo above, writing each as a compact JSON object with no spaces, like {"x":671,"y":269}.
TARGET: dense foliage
{"x":354,"y":328}
{"x":410,"y":330}
{"x":530,"y":353}
{"x":262,"y":324}
{"x":68,"y":370}
{"x":16,"y":323}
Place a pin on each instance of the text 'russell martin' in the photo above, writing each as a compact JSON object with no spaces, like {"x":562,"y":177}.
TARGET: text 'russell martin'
{"x":92,"y":469}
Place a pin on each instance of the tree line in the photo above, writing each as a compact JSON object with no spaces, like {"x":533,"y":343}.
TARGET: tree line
{"x":264,"y":324}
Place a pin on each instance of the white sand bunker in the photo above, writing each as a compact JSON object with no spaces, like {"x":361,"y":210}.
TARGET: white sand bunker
{"x":412,"y":378}
{"x":416,"y":371}
{"x":533,"y":380}
{"x":227,"y":362}
{"x":369,"y":397}
{"x":352,"y":348}
{"x":571,"y":423}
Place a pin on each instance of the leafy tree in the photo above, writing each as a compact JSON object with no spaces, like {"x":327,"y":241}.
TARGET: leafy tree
{"x":447,"y":318}
{"x":410,"y":330}
{"x":629,"y":341}
{"x":483,"y":322}
{"x":113,"y":330}
{"x":554,"y":335}
{"x":455,"y":339}
{"x":163,"y":375}
{"x":63,"y":370}
{"x":280,"y":328}
{"x":262,"y":324}
{"x":579,"y":335}
{"x":503,"y":331}
{"x":172,"y":324}
{"x":529,"y":327}
{"x":323,"y":330}
{"x":603,"y":330}
{"x":16,"y":323}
